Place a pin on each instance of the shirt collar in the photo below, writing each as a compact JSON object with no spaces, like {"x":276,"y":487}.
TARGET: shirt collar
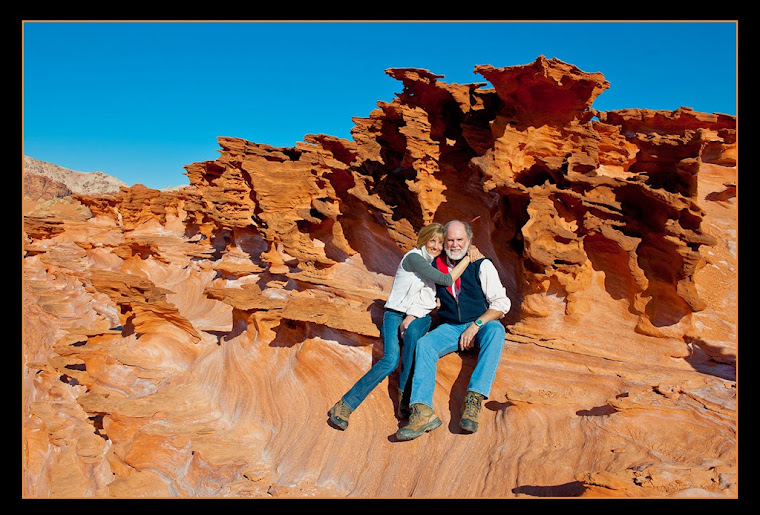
{"x":425,"y":254}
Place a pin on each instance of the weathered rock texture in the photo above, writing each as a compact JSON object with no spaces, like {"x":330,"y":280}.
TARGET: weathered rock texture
{"x":190,"y":343}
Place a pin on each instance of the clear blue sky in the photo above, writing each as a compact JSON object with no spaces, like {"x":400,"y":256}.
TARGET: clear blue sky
{"x":139,"y":100}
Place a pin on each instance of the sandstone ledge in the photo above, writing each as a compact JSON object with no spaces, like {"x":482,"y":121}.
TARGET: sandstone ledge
{"x":189,"y":343}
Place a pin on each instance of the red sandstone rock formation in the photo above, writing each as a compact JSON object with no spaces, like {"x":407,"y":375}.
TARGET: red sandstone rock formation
{"x":190,"y":343}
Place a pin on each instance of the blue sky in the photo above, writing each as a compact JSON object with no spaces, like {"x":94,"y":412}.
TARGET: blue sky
{"x":140,"y":100}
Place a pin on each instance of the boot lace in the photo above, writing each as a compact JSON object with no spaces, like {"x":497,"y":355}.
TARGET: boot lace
{"x":342,"y":410}
{"x":471,"y":405}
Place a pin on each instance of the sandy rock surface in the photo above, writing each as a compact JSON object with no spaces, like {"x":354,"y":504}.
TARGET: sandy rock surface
{"x":189,"y":343}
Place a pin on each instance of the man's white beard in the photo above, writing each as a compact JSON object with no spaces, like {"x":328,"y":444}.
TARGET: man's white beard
{"x":456,"y":256}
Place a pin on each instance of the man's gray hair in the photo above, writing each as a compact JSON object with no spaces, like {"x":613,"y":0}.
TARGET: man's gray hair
{"x":467,"y":228}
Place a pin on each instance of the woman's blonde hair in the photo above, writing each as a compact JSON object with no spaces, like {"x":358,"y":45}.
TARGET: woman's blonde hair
{"x":427,"y":232}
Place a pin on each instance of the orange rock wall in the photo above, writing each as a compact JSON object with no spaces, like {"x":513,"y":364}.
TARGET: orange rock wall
{"x":190,"y":343}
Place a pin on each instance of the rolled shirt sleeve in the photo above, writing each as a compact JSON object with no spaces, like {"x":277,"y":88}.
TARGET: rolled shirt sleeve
{"x":496,"y":294}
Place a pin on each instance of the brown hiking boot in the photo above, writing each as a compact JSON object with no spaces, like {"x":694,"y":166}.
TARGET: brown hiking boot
{"x":339,"y":415}
{"x":422,"y":419}
{"x":470,"y":411}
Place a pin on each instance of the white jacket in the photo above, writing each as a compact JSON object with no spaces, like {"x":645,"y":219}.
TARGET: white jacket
{"x":407,"y":285}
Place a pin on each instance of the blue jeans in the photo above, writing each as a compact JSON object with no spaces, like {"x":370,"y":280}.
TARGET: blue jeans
{"x":443,"y":340}
{"x":391,"y":354}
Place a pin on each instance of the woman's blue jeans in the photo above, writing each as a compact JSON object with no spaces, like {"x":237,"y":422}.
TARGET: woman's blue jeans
{"x":443,"y":340}
{"x":392,"y":352}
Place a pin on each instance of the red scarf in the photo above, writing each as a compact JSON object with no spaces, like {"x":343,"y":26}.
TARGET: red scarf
{"x":445,"y":269}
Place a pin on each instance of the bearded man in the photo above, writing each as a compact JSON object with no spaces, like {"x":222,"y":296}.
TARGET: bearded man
{"x":470,"y":312}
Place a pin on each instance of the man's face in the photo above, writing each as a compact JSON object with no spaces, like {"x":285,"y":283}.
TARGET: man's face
{"x":456,"y":243}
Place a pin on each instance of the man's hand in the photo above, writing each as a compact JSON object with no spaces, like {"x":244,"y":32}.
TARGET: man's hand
{"x":467,"y":338}
{"x":405,"y":323}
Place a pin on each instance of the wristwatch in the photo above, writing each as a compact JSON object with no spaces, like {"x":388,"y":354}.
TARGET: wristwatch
{"x":478,"y":323}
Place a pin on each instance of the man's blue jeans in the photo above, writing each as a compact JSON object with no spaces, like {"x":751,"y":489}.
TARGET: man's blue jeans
{"x":443,"y":340}
{"x":391,"y":354}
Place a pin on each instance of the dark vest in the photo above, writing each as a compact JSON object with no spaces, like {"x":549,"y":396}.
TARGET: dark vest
{"x":471,"y":302}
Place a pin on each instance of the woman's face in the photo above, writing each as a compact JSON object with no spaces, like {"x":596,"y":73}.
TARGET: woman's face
{"x":434,"y":245}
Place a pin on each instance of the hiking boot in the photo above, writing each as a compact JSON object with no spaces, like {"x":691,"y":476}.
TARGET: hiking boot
{"x":470,"y":411}
{"x":403,"y":405}
{"x":422,"y":420}
{"x":339,"y":415}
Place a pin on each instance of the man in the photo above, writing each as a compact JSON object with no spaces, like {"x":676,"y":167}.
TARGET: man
{"x":469,"y":313}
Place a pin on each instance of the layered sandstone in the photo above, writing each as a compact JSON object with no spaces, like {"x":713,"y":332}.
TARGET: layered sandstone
{"x":190,"y":343}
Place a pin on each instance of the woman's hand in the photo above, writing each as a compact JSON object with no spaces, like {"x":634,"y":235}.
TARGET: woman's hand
{"x":474,"y":253}
{"x":405,"y":323}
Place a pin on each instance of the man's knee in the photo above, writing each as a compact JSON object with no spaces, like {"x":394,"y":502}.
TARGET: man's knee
{"x":425,"y":347}
{"x":492,"y":331}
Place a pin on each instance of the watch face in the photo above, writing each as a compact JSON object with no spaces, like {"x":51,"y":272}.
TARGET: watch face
{"x":478,"y":322}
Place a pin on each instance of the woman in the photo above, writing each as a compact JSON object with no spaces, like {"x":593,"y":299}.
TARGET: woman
{"x":412,"y":273}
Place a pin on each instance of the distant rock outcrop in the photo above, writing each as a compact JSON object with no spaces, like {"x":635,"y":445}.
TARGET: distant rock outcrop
{"x":189,"y":343}
{"x":43,"y":181}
